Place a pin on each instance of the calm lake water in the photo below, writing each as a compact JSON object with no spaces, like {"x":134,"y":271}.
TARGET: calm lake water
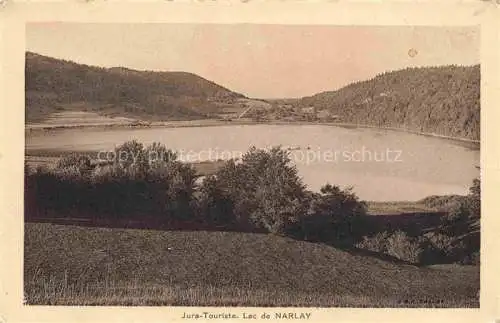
{"x":380,"y":165}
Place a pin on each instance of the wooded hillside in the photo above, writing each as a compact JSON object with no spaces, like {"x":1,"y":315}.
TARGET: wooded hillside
{"x":442,"y":100}
{"x":57,"y":85}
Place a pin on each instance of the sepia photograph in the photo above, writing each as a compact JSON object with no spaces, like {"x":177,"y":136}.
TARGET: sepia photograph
{"x":256,"y":165}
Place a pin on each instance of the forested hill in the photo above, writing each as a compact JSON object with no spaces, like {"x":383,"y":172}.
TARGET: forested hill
{"x":442,"y":100}
{"x":55,"y":85}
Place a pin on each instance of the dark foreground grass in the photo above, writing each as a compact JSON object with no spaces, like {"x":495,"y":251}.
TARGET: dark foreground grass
{"x":70,"y":265}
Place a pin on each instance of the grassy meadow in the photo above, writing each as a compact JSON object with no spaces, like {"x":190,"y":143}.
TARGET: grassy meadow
{"x":72,"y":265}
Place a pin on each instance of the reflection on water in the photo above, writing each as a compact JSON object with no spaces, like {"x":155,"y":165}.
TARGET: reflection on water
{"x":380,"y":165}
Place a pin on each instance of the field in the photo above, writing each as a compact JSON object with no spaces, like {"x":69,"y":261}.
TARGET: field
{"x":79,"y":118}
{"x":72,"y":265}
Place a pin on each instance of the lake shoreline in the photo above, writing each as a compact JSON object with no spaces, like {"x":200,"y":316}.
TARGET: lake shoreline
{"x":36,"y":128}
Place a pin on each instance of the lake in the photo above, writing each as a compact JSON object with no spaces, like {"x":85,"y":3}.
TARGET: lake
{"x":380,"y":165}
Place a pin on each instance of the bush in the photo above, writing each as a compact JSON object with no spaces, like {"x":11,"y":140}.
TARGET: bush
{"x":75,"y":161}
{"x":457,"y":240}
{"x":430,"y":248}
{"x":214,"y":204}
{"x":130,"y":186}
{"x":334,"y":216}
{"x":262,"y":192}
{"x":70,"y":173}
{"x":264,"y":189}
{"x":475,"y":199}
{"x":377,"y":243}
{"x":467,"y":208}
{"x":471,"y":259}
{"x":397,"y":244}
{"x":158,"y":155}
{"x":440,"y":241}
{"x":443,"y":248}
{"x":401,"y":246}
{"x":438,"y":248}
{"x":131,"y":158}
{"x":458,"y":212}
{"x":461,"y":226}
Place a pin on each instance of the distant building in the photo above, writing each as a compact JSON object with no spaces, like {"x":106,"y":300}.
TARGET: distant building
{"x":139,"y":123}
{"x":327,"y":115}
{"x":323,"y":114}
{"x":309,"y":109}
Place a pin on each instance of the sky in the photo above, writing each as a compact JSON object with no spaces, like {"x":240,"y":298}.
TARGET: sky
{"x":259,"y":61}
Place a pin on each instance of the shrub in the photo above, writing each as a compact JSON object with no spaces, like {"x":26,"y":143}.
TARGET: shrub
{"x":475,"y":199}
{"x":175,"y":182}
{"x":338,"y":203}
{"x":459,"y":219}
{"x":458,"y":212}
{"x":467,"y":208}
{"x":334,"y":215}
{"x":442,"y":248}
{"x":264,"y":188}
{"x":401,"y":246}
{"x":78,"y":161}
{"x":440,"y":241}
{"x":131,"y":158}
{"x":69,"y":173}
{"x":397,"y":244}
{"x":130,"y":186}
{"x":471,"y":259}
{"x":456,"y":241}
{"x":158,"y":155}
{"x":214,"y":204}
{"x":437,"y":248}
{"x":377,"y":243}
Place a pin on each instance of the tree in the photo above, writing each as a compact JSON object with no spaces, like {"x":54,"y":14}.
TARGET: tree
{"x":265,"y":189}
{"x":158,"y":155}
{"x":131,"y":158}
{"x":475,"y":198}
{"x":466,"y":208}
{"x":214,"y":204}
{"x":142,"y":180}
{"x":334,"y":215}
